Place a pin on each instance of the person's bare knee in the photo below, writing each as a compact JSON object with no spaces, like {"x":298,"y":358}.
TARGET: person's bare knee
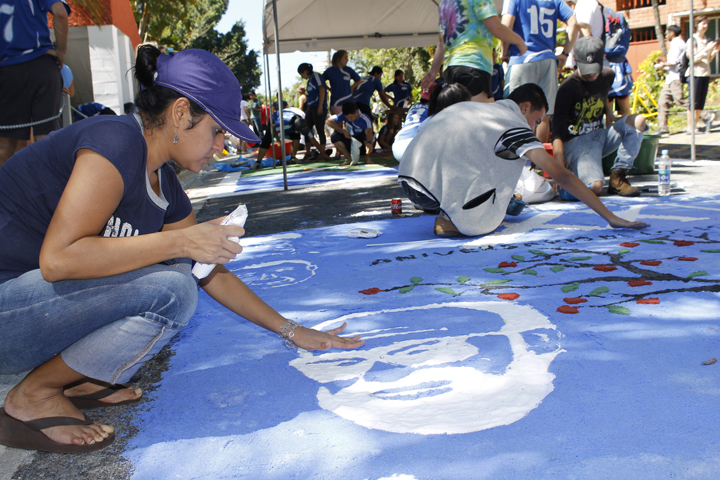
{"x":342,"y":149}
{"x":7,"y":148}
{"x":597,"y":187}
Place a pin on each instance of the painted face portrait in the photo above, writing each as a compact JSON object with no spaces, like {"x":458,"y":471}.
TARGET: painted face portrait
{"x":440,"y":368}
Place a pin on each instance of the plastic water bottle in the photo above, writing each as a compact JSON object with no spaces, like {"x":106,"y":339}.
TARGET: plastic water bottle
{"x":664,"y":165}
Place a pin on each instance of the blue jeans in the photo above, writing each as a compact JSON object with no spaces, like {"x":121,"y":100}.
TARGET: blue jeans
{"x":584,"y":154}
{"x":104,"y":328}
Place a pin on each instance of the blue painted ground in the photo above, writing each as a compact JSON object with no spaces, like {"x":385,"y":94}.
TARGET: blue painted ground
{"x":455,"y":382}
{"x":248,"y":184}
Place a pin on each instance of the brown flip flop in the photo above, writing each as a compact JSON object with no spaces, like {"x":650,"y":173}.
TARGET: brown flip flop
{"x":27,"y":435}
{"x":92,"y":400}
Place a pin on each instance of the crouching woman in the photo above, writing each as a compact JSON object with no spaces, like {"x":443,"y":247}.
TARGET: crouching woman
{"x":97,"y":241}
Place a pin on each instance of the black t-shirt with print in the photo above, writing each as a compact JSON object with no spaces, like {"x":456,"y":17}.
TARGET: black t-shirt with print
{"x":579,"y":107}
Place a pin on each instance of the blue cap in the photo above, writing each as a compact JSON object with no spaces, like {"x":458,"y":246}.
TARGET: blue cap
{"x":203,"y":78}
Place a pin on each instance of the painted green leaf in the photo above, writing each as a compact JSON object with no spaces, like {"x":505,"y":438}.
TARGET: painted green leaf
{"x":520,"y":258}
{"x":579,"y":259}
{"x":571,"y":287}
{"x":658,"y":242}
{"x":407,"y":289}
{"x":494,"y":270}
{"x":623,"y":251}
{"x":530,"y":271}
{"x":462,"y":280}
{"x":599,"y":291}
{"x":496,"y":282}
{"x":711,"y":250}
{"x":416,"y":280}
{"x":697,"y":274}
{"x":538,"y":252}
{"x":557,"y":268}
{"x":618,"y":310}
{"x":449,"y":291}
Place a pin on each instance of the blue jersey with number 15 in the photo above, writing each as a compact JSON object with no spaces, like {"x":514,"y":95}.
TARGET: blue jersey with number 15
{"x":536,"y":23}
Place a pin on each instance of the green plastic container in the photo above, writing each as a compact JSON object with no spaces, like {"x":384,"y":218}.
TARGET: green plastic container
{"x":644,"y":162}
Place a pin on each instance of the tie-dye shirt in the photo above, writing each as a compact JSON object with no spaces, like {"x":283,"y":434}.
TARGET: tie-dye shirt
{"x":468,"y":43}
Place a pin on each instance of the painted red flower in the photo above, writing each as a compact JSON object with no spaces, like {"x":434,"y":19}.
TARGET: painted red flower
{"x":371,"y":291}
{"x":683,"y":243}
{"x":687,"y":259}
{"x":639,"y":283}
{"x":603,"y":268}
{"x":567,"y":309}
{"x":574,"y":300}
{"x":629,"y":244}
{"x":508,"y":296}
{"x":649,"y":301}
{"x":507,"y":264}
{"x":652,"y":263}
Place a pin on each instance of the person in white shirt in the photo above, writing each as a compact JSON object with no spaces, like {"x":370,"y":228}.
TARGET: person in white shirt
{"x":245,"y":118}
{"x":672,"y":91}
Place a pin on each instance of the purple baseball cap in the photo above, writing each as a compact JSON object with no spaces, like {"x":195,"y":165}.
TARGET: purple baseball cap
{"x":206,"y":80}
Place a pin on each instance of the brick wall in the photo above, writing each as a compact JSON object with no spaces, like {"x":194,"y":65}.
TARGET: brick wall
{"x":116,"y":12}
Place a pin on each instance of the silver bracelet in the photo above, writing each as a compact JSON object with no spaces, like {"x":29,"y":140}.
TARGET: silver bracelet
{"x":287,"y":332}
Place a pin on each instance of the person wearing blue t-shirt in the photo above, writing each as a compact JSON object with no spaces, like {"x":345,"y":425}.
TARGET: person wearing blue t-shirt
{"x":498,"y":81}
{"x":536,"y":22}
{"x":316,"y":111}
{"x":348,"y":125}
{"x":98,"y":239}
{"x":339,"y":75}
{"x":365,"y":89}
{"x":30,"y":80}
{"x":295,"y":126}
{"x":401,"y":91}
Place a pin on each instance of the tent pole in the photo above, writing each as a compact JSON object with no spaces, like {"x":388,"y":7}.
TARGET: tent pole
{"x":691,"y":56}
{"x":280,"y":99}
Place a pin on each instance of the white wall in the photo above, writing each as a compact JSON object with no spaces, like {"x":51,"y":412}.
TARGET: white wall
{"x":111,"y":57}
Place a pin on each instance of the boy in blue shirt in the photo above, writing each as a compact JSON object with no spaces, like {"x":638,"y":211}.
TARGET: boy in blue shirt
{"x":536,"y":22}
{"x":366,"y":88}
{"x":351,"y":124}
{"x":30,"y":79}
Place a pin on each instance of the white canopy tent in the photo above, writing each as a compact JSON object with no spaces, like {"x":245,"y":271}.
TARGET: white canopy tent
{"x":317,"y":25}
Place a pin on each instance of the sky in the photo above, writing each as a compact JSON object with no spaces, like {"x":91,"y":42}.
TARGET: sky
{"x":250,"y":11}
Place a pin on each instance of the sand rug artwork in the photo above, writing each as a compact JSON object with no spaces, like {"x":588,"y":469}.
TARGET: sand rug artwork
{"x":555,"y":347}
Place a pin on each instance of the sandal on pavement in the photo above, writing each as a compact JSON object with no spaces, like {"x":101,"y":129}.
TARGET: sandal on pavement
{"x":445,"y":228}
{"x":27,"y":435}
{"x":93,"y":400}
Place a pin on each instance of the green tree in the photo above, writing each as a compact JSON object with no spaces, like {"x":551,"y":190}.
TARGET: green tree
{"x":154,"y":16}
{"x":205,"y":15}
{"x":232,"y":49}
{"x":415,"y":62}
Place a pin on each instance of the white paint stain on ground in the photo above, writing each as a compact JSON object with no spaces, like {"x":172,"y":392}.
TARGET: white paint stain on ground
{"x":436,"y":397}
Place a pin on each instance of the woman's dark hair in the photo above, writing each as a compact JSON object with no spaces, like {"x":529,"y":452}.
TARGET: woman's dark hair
{"x":153,"y":100}
{"x":392,"y":115}
{"x":446,"y":94}
{"x":305,"y":67}
{"x":532,"y":93}
{"x":397,"y":73}
{"x":337,"y":56}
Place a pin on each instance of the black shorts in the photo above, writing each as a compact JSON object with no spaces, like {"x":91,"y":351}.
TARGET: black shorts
{"x":702,"y":85}
{"x":31,"y":91}
{"x":364,"y":109}
{"x":477,"y":81}
{"x":339,"y":137}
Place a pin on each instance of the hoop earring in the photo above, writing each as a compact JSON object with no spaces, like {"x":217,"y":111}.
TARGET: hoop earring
{"x":175,"y":140}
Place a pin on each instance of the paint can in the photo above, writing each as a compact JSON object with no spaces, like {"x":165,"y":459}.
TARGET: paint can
{"x":396,"y":206}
